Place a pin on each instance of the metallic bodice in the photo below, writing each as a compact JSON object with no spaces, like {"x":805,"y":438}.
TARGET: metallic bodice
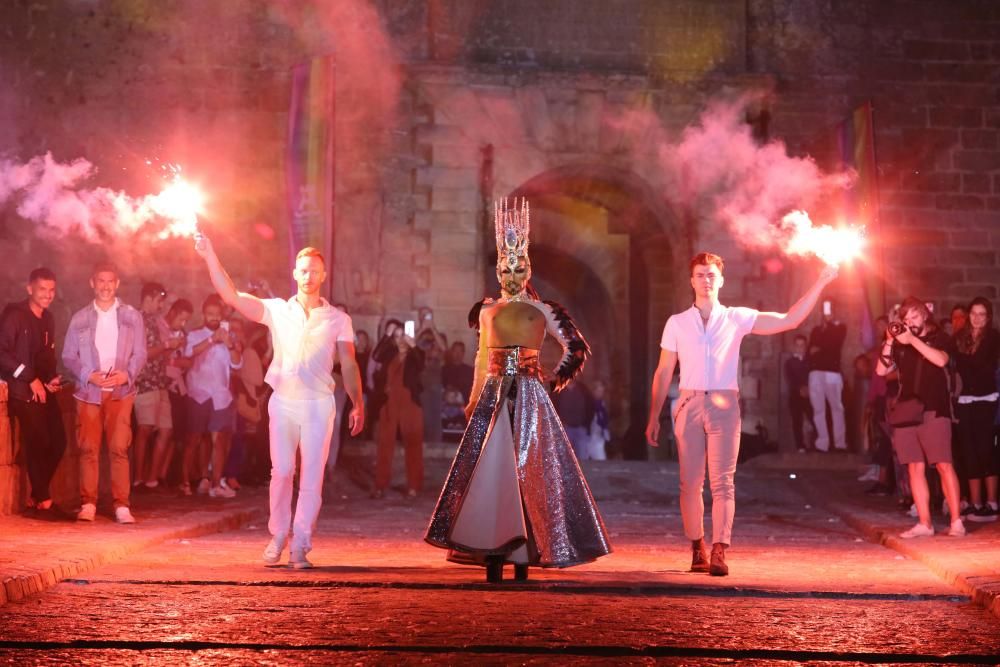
{"x":514,"y":361}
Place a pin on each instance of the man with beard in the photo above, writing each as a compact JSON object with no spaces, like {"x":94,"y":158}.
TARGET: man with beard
{"x":28,"y":366}
{"x":308,"y":334}
{"x":920,"y":351}
{"x":210,"y":408}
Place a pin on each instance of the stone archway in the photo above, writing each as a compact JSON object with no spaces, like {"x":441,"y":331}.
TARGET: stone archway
{"x":595,"y":203}
{"x":612,"y":261}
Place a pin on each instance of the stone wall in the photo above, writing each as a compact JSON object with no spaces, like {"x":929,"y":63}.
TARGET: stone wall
{"x":14,"y":486}
{"x":527,"y":83}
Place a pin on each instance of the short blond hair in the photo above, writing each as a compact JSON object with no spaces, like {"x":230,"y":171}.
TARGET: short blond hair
{"x":309,"y":251}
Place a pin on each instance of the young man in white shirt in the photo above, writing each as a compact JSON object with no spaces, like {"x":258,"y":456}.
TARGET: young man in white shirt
{"x":308,"y":334}
{"x":105,"y":350}
{"x":706,"y":339}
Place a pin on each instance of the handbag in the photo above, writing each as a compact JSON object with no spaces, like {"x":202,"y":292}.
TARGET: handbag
{"x":905,"y":412}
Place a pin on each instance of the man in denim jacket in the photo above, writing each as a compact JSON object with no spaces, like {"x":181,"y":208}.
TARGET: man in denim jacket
{"x":104,"y":351}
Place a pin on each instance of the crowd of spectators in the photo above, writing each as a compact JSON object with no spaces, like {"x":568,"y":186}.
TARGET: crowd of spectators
{"x":924,"y":404}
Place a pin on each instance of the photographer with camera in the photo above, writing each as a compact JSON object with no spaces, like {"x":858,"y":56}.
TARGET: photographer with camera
{"x":396,"y":401}
{"x":921,"y":413}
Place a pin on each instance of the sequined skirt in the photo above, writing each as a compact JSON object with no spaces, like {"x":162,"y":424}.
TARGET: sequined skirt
{"x":515,"y":487}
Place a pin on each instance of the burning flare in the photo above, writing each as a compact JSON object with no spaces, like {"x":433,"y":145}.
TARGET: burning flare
{"x":833,"y":245}
{"x":179,"y":203}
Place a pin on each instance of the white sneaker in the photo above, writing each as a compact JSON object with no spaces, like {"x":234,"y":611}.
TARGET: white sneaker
{"x":123,"y":515}
{"x":869,"y":475}
{"x":221,"y":492}
{"x":87,"y":512}
{"x":204,"y":486}
{"x":297,"y":558}
{"x":919,"y":530}
{"x":913,"y":511}
{"x":957,"y":529}
{"x":272,"y":553}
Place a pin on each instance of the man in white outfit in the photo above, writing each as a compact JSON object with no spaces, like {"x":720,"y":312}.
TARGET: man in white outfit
{"x":308,"y":335}
{"x":706,"y":339}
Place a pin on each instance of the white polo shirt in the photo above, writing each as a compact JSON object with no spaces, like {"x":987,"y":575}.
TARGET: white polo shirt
{"x":304,"y":347}
{"x":709,"y":355}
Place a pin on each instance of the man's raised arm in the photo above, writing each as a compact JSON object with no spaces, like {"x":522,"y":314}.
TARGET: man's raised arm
{"x":250,"y":306}
{"x":772,"y":323}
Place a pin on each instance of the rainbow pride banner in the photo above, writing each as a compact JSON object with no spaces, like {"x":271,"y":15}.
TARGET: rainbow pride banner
{"x":859,"y":205}
{"x":309,"y":164}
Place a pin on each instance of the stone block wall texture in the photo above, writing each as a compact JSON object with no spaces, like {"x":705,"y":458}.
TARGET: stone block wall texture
{"x":425,"y":86}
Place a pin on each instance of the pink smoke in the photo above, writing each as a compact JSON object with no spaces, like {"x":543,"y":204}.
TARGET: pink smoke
{"x":719,"y":172}
{"x":53,"y":195}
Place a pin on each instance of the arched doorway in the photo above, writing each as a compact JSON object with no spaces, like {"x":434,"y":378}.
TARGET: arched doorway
{"x":603,"y":245}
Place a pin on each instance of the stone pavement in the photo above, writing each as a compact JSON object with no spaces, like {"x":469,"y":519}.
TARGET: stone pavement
{"x":34,"y":555}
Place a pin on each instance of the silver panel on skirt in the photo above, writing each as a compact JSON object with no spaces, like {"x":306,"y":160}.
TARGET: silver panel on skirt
{"x":564,"y":523}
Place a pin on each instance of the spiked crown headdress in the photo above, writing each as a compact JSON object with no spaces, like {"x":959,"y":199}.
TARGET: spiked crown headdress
{"x":512,"y":226}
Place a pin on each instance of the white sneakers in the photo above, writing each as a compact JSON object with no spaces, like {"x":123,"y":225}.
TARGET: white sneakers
{"x":88,"y":511}
{"x":272,"y":554}
{"x":957,"y":529}
{"x":221,"y":492}
{"x":919,"y":530}
{"x":124,"y":515}
{"x":297,"y":559}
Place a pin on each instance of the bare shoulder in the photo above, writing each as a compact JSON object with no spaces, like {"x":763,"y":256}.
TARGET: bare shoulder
{"x":477,"y":310}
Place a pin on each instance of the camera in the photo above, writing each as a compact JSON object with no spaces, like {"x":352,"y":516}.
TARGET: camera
{"x":896,"y":328}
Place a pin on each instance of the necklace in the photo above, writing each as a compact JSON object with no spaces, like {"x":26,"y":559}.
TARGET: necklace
{"x":520,"y":297}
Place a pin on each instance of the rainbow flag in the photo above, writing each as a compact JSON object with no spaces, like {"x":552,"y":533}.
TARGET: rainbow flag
{"x":309,"y":164}
{"x":860,"y":205}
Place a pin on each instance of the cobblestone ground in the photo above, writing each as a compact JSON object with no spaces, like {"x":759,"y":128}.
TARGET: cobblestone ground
{"x":804,"y":588}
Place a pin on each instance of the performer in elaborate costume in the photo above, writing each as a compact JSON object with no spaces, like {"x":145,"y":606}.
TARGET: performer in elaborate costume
{"x":515,"y":492}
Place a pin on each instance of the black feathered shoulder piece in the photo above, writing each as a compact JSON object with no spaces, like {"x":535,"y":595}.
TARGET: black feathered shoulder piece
{"x":575,"y":348}
{"x":474,"y":313}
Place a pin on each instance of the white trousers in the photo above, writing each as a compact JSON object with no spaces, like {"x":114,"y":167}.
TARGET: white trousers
{"x":306,"y":426}
{"x":827,"y":387}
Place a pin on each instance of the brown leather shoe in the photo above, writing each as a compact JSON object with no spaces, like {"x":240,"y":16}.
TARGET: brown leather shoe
{"x":717,"y":567}
{"x":699,"y":556}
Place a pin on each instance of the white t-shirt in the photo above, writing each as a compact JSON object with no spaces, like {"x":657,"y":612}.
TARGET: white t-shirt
{"x":106,"y":337}
{"x":208,"y":377}
{"x":709,"y":355}
{"x":304,"y":348}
